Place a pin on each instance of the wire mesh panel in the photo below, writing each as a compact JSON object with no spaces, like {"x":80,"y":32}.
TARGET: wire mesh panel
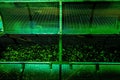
{"x":30,"y":18}
{"x":78,"y":72}
{"x":105,"y":18}
{"x":89,"y":18}
{"x":10,"y":71}
{"x":41,"y":72}
{"x":104,"y":25}
{"x":29,"y":71}
{"x":75,"y":17}
{"x":15,"y":18}
{"x":89,"y":72}
{"x":109,"y":72}
{"x":46,"y":17}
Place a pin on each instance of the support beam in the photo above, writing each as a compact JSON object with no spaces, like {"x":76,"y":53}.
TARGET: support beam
{"x":60,"y":31}
{"x":60,"y":40}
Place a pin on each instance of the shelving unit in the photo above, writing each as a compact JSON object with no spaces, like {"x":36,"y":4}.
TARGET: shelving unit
{"x":65,"y":19}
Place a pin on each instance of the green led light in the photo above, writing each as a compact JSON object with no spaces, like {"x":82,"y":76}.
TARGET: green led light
{"x":1,"y":24}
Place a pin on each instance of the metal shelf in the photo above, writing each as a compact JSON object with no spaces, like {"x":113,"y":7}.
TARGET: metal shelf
{"x":52,"y":0}
{"x":71,"y":63}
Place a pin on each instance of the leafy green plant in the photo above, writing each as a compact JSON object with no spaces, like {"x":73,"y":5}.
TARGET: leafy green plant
{"x":30,"y":53}
{"x":88,"y":54}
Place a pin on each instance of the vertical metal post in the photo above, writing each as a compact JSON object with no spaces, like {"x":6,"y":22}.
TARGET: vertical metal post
{"x":22,"y":71}
{"x":60,"y":40}
{"x":97,"y":72}
{"x":91,"y":17}
{"x":60,"y":31}
{"x":116,"y":23}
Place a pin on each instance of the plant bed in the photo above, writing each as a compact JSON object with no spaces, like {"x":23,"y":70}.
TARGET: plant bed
{"x":89,"y":54}
{"x":99,"y":48}
{"x":30,"y":53}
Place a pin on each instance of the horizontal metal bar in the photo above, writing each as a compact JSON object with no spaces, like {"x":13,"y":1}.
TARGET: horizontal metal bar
{"x":94,"y":63}
{"x":71,"y":63}
{"x":25,"y":62}
{"x":52,"y":0}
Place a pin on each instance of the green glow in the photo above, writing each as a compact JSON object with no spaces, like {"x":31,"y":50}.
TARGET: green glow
{"x":31,"y":71}
{"x":99,"y":30}
{"x":43,"y":72}
{"x":1,"y":24}
{"x":18,"y":20}
{"x":9,"y":67}
{"x":43,"y":19}
{"x":105,"y":68}
{"x":19,"y":28}
{"x":77,"y":71}
{"x":109,"y":72}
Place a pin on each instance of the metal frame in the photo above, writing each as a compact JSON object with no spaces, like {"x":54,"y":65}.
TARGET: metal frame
{"x":60,"y":62}
{"x":52,"y":0}
{"x":71,"y":63}
{"x":60,"y":32}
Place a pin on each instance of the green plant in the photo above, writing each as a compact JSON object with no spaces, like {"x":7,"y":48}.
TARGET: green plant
{"x":30,"y":53}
